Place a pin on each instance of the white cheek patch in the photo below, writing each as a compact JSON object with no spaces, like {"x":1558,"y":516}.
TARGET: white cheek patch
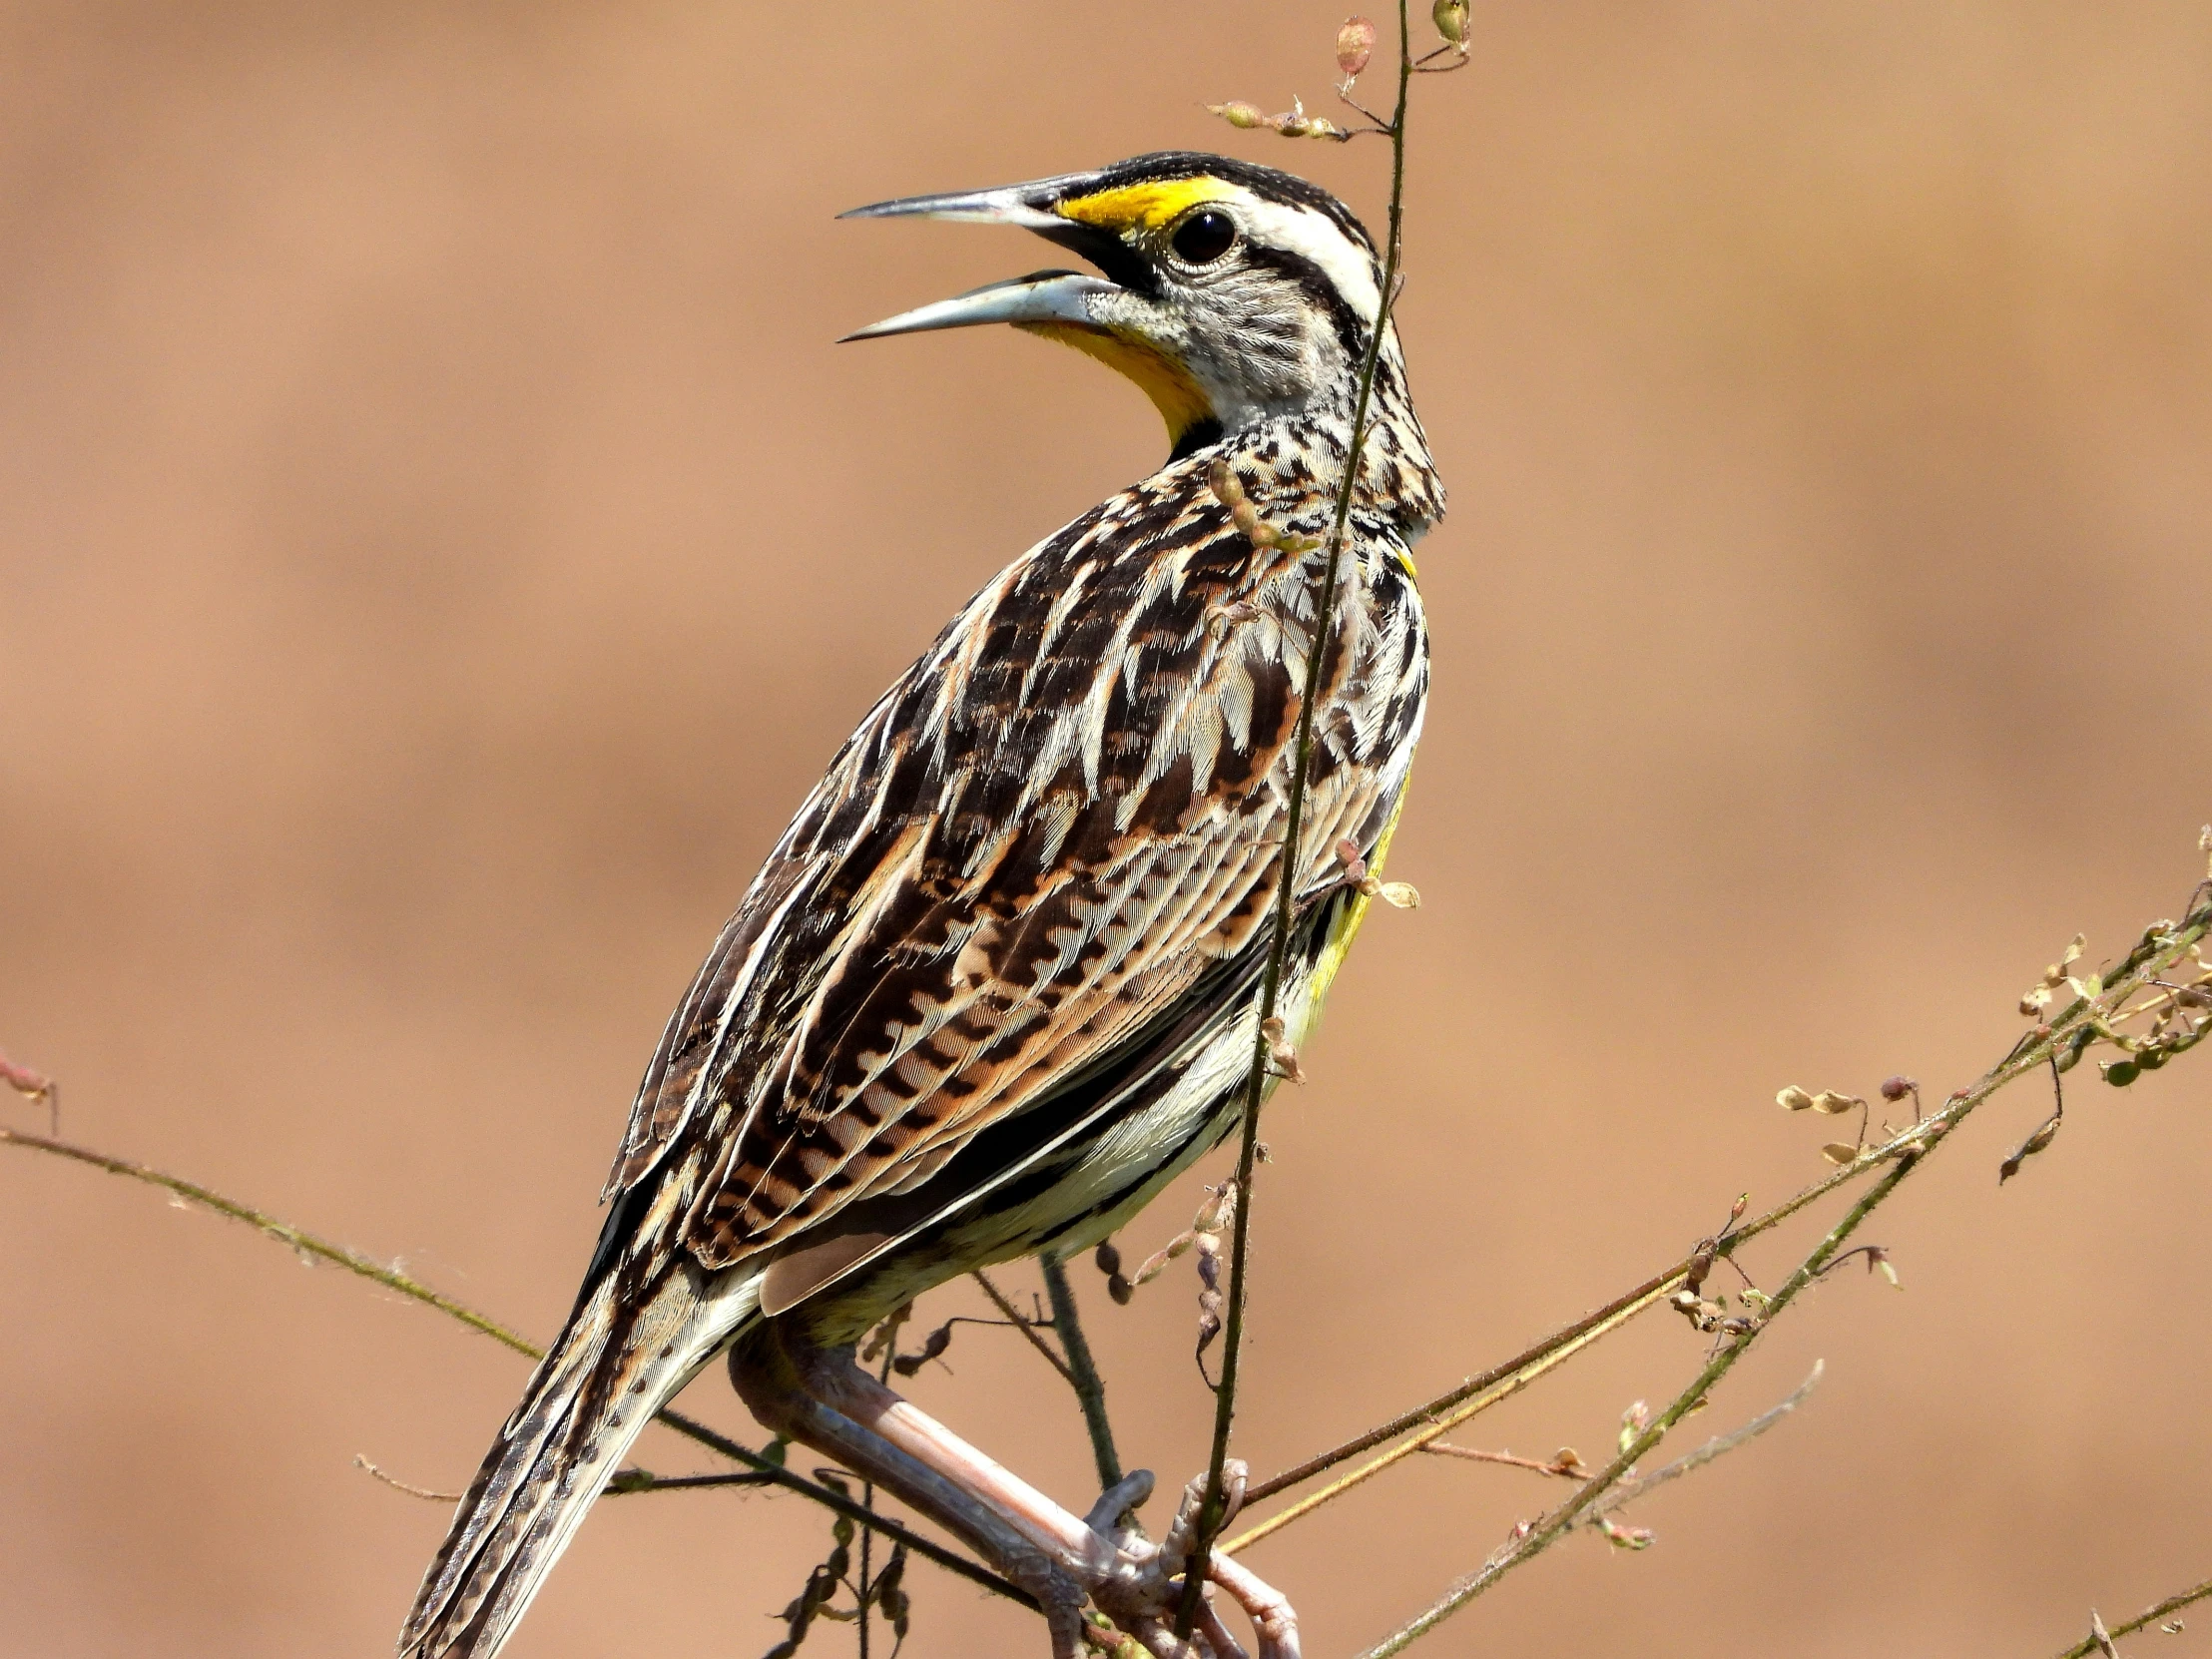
{"x":1315,"y":237}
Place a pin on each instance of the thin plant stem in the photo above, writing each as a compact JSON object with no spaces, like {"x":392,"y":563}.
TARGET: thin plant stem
{"x":866,"y":1592}
{"x":2066,"y":1039}
{"x":1555,"y":1525}
{"x":2172,"y":1604}
{"x":1720,"y":1446}
{"x":1212,"y":1509}
{"x":1504,"y":1388}
{"x":304,"y":1243}
{"x":2062,"y":1040}
{"x":1082,"y":1369}
{"x":632,"y":1482}
{"x":352,"y":1261}
{"x":1025,"y":1324}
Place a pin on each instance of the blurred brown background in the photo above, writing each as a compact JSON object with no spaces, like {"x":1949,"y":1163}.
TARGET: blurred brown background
{"x":439,"y":544}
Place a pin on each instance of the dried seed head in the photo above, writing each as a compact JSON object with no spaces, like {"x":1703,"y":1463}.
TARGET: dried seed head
{"x":1282,"y":1052}
{"x":1239,"y":113}
{"x":1297,"y":124}
{"x":1793,"y":1099}
{"x":1398,"y":896}
{"x":1897,"y":1088}
{"x":1107,"y":1258}
{"x":1244,"y":516}
{"x":1223,"y":481}
{"x":1829,"y":1104}
{"x":1354,"y":46}
{"x":2043,"y":1136}
{"x":1626,"y":1537}
{"x":1839,"y":1151}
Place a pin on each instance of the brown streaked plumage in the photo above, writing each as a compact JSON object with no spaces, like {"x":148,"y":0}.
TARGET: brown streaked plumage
{"x":996,"y":984}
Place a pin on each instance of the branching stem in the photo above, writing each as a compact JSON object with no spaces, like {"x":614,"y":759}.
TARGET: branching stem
{"x":2060,"y":1044}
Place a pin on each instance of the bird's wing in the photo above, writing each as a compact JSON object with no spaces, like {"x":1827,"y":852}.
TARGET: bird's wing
{"x":1025,"y":860}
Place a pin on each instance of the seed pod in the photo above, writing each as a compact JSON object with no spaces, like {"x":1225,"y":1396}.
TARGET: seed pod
{"x":1837,"y":1152}
{"x":1897,"y":1088}
{"x":1239,"y":113}
{"x":1451,"y":18}
{"x":1793,"y":1099}
{"x":1829,"y":1104}
{"x":1354,"y":46}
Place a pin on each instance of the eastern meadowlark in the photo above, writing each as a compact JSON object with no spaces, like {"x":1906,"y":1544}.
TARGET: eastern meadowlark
{"x":997,"y":984}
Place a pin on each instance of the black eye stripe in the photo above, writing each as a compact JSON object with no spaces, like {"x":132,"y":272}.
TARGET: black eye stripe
{"x":1203,"y":236}
{"x":1352,"y":328}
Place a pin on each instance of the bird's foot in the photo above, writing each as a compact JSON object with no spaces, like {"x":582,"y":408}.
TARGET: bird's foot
{"x":1142,"y":1590}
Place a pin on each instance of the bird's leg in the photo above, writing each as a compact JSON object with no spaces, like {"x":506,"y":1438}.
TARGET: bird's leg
{"x":1130,"y":1578}
{"x":774,"y":1390}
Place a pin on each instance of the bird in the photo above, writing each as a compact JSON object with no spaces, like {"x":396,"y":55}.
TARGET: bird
{"x":1000,"y":981}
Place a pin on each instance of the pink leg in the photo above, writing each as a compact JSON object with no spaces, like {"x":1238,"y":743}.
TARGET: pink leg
{"x":858,"y":1421}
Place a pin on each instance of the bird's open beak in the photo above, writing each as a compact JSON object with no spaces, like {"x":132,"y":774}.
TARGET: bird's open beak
{"x":1043,"y":296}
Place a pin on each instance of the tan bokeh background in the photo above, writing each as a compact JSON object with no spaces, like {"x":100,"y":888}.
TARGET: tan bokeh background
{"x":439,"y":544}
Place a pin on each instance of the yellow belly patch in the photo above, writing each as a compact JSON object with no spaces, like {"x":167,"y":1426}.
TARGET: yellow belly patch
{"x":1347,"y":928}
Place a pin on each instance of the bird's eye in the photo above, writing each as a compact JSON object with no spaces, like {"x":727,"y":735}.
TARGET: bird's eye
{"x":1203,"y":236}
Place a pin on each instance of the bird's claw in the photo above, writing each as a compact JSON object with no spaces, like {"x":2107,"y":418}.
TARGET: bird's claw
{"x":1142,"y":1590}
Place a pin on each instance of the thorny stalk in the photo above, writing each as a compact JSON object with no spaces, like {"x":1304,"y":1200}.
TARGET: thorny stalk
{"x":311,"y":1245}
{"x":2172,"y":1604}
{"x":1212,"y":1509}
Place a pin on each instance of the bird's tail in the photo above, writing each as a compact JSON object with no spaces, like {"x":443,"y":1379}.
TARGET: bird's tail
{"x":625,"y":1350}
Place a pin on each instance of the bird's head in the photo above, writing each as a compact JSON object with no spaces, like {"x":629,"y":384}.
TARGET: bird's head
{"x":1230,"y":293}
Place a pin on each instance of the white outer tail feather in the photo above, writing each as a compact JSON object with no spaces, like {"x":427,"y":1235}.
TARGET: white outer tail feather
{"x":536,"y":1482}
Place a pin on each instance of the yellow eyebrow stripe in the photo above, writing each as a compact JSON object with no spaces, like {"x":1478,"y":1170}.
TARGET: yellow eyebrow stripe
{"x":1152,"y":206}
